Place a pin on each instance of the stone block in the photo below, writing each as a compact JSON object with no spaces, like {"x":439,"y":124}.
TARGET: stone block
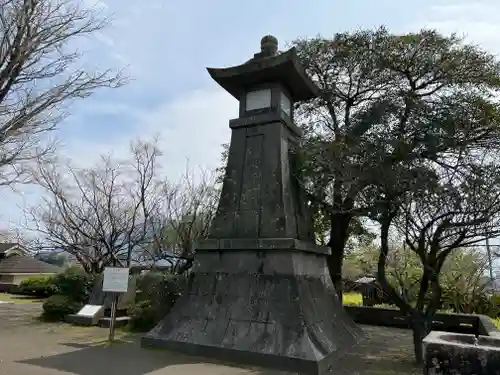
{"x":255,"y":244}
{"x":89,"y":315}
{"x":454,"y":353}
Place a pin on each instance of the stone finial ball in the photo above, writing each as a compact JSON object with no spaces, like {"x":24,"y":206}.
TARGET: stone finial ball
{"x":269,"y":44}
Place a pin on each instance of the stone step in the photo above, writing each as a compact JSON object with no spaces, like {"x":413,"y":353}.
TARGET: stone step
{"x":119,"y":313}
{"x":121,"y":321}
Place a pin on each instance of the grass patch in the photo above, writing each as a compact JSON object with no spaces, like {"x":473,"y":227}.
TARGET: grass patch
{"x":496,"y":322}
{"x":352,"y":299}
{"x":19,"y":300}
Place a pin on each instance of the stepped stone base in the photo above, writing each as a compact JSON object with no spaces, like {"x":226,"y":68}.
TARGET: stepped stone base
{"x":121,"y":321}
{"x":272,"y":309}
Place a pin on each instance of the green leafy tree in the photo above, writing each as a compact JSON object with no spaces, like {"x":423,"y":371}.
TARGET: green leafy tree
{"x":388,"y":104}
{"x":403,"y":268}
{"x":466,"y":288}
{"x":437,"y":214}
{"x":463,"y":276}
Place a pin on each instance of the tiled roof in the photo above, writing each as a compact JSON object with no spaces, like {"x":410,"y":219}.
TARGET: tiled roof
{"x":366,"y":280}
{"x":24,"y":264}
{"x":6,"y":246}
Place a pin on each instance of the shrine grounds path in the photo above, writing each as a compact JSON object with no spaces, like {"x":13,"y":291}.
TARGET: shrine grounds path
{"x":29,"y":347}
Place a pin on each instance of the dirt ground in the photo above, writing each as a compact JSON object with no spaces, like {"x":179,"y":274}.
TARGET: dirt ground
{"x":28,"y":347}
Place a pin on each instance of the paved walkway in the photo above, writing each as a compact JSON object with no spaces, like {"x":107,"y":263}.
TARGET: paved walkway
{"x":28,"y":347}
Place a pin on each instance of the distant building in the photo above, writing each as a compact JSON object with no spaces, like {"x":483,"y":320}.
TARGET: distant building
{"x":371,"y":291}
{"x":11,"y":248}
{"x":16,"y":266}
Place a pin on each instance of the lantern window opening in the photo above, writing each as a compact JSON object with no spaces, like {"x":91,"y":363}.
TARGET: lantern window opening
{"x":258,"y":99}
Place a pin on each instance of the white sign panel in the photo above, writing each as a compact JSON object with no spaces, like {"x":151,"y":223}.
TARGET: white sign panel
{"x":286,"y":104}
{"x":115,"y":280}
{"x":90,"y":310}
{"x":258,"y":99}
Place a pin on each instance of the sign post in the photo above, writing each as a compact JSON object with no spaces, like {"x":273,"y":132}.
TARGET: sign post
{"x":115,"y":282}
{"x":112,"y":323}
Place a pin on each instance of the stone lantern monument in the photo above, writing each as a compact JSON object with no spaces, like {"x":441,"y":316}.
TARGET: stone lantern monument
{"x":260,"y":291}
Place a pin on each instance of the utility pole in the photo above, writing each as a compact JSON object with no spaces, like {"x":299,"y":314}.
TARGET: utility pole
{"x":490,"y":266}
{"x":490,"y":262}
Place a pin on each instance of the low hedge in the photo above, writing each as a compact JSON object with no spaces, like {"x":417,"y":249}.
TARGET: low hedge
{"x":72,"y":290}
{"x":74,"y":283}
{"x":58,"y":306}
{"x":38,"y":287}
{"x":156,"y":294}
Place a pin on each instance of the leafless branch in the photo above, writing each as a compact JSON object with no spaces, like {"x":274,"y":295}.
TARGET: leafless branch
{"x":100,"y":215}
{"x":184,"y":217}
{"x":40,"y":75}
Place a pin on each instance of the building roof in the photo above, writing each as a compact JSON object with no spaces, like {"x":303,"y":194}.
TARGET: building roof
{"x":366,"y":280}
{"x":23,"y":264}
{"x":5,"y":246}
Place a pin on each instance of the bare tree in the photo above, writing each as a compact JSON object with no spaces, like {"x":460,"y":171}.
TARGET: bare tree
{"x":100,"y":215}
{"x":40,"y":75}
{"x":12,"y":236}
{"x":184,"y":217}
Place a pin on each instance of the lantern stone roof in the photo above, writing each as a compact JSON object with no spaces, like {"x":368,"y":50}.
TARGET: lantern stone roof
{"x":268,"y":66}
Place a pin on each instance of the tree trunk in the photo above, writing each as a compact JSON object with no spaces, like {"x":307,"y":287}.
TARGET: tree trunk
{"x":420,"y":322}
{"x":97,"y":295}
{"x":186,"y":266}
{"x":421,"y":328}
{"x":339,"y":233}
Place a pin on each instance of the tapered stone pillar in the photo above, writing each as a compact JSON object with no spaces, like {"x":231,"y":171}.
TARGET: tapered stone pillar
{"x":260,"y":291}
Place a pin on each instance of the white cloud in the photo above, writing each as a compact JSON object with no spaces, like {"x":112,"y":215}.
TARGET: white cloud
{"x":477,"y":20}
{"x":193,"y":124}
{"x":190,"y":128}
{"x":95,"y":4}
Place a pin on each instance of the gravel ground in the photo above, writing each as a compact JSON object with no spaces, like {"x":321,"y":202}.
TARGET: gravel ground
{"x":28,"y":347}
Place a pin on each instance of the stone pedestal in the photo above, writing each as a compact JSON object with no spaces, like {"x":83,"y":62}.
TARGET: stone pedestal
{"x":272,"y":308}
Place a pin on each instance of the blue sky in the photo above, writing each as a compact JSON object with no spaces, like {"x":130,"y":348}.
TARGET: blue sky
{"x":166,"y":45}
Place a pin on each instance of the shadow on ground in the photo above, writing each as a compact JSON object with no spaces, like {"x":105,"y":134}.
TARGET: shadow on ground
{"x":125,"y":357}
{"x":385,"y":351}
{"x":121,"y":357}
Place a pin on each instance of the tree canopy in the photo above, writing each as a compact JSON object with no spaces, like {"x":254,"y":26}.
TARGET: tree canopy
{"x":390,"y":106}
